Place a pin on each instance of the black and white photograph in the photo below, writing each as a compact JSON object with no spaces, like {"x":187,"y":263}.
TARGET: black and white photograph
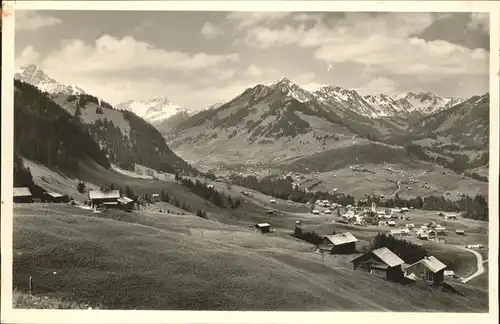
{"x":256,"y":160}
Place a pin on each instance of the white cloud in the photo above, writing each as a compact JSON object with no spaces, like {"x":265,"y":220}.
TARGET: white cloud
{"x":209,"y":30}
{"x":303,"y":17}
{"x":113,"y":54}
{"x":244,"y":19}
{"x":27,"y":56}
{"x":384,"y":43}
{"x":253,"y":71}
{"x":28,"y":20}
{"x":312,"y":86}
{"x":305,"y":77}
{"x":379,"y":85}
{"x":480,"y":21}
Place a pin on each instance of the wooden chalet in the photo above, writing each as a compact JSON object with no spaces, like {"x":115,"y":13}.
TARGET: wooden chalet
{"x":429,"y":269}
{"x":381,"y":262}
{"x":107,"y":198}
{"x":342,"y":243}
{"x":22,"y":195}
{"x":263,"y":227}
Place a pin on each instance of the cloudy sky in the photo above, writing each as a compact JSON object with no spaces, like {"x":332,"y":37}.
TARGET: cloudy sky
{"x":198,"y":58}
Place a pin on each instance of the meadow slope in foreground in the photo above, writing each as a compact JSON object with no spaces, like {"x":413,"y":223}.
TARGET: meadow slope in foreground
{"x":152,"y":260}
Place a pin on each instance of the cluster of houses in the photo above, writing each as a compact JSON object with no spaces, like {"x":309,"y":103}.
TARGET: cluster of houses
{"x":97,"y":199}
{"x":381,"y":262}
{"x":386,"y":217}
{"x":109,"y":200}
{"x":386,"y":264}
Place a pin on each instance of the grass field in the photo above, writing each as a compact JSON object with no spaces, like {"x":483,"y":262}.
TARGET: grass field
{"x":380,"y":181}
{"x":152,"y":260}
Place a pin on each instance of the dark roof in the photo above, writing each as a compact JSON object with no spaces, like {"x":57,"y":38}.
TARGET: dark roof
{"x":22,"y":192}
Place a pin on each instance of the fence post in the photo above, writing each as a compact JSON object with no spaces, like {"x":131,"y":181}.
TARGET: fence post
{"x":30,"y":284}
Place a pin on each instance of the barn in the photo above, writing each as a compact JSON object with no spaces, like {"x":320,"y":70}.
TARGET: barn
{"x":22,"y":195}
{"x":381,"y":262}
{"x":54,"y":197}
{"x":342,"y":243}
{"x":263,"y":227}
{"x":429,"y":269}
{"x":126,"y":203}
{"x":107,"y":198}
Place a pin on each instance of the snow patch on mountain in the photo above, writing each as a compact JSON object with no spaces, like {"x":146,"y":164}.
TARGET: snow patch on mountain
{"x":154,"y":110}
{"x":33,"y":75}
{"x":291,"y":89}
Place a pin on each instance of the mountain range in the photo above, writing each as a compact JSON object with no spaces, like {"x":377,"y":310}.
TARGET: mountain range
{"x":280,"y":122}
{"x":154,"y":111}
{"x":271,"y":124}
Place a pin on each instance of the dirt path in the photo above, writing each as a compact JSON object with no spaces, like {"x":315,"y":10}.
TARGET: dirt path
{"x":399,"y":188}
{"x":479,"y":268}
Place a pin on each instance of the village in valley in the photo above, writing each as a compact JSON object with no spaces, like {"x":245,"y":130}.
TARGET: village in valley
{"x":321,"y":194}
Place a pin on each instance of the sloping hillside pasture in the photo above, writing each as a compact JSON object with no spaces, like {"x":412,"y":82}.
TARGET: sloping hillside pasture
{"x":53,"y":181}
{"x":98,"y":175}
{"x":483,"y":280}
{"x":73,"y":255}
{"x":457,"y":259}
{"x":22,"y":300}
{"x":380,"y":181}
{"x":89,"y":114}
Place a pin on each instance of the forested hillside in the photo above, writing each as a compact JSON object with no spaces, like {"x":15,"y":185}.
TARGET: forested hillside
{"x":45,"y":133}
{"x":126,"y":138}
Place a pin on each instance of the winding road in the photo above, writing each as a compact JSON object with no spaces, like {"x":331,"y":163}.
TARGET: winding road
{"x":480,"y":267}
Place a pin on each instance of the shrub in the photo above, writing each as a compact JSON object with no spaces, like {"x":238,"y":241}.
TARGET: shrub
{"x":80,"y":187}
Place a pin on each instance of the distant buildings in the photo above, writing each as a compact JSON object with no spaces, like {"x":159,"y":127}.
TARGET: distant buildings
{"x":108,"y":198}
{"x":22,"y":195}
{"x":263,"y":227}
{"x":381,"y":262}
{"x":450,"y":216}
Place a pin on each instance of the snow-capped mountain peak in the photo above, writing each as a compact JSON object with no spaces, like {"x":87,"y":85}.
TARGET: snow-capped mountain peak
{"x":32,"y":74}
{"x":215,"y":105}
{"x":291,"y":89}
{"x":153,"y":110}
